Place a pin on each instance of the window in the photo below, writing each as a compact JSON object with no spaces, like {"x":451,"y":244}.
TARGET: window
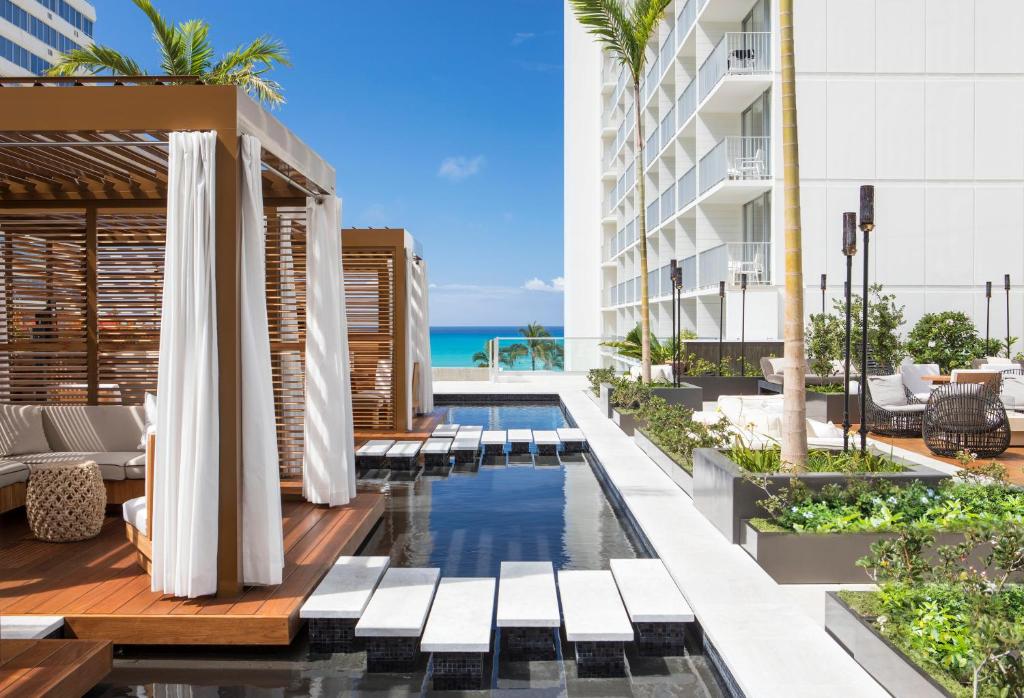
{"x":36,"y":27}
{"x":19,"y":56}
{"x":69,"y":14}
{"x":759,"y":19}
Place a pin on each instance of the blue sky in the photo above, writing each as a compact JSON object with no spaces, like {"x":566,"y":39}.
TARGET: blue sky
{"x":443,"y":117}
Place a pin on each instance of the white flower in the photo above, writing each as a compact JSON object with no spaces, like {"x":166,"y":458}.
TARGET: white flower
{"x":949,"y":321}
{"x":931,"y":492}
{"x":924,"y":500}
{"x":931,"y":344}
{"x":891,"y":500}
{"x":794,"y":509}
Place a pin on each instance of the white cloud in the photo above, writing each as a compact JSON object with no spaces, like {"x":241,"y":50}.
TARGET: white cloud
{"x":522,"y":37}
{"x":557,"y":285}
{"x":459,"y":167}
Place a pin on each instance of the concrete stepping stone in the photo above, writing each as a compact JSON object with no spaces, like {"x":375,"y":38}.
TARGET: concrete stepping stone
{"x":339,"y":600}
{"x":656,"y":607}
{"x":466,"y":446}
{"x":436,"y":452}
{"x":446,"y":431}
{"x":573,"y":440}
{"x":493,"y":442}
{"x":458,"y":632}
{"x":394,"y":618}
{"x":371,"y":454}
{"x":519,"y":440}
{"x":402,"y":456}
{"x":547,"y":442}
{"x":30,"y":627}
{"x":595,"y":622}
{"x":528,"y":610}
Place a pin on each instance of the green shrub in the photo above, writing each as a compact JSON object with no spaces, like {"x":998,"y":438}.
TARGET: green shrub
{"x":825,"y":336}
{"x":597,"y":376}
{"x":885,"y":319}
{"x":769,"y":460}
{"x":673,"y":429}
{"x":629,"y":394}
{"x":948,"y":339}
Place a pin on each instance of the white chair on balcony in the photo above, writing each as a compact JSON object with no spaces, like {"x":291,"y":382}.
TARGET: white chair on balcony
{"x":749,"y":167}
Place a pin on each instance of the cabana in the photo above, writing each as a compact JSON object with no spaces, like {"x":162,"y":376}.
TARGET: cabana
{"x":176,"y":239}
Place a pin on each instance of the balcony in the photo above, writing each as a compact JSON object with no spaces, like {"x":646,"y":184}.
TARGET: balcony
{"x":686,"y":189}
{"x":737,"y":71}
{"x":736,"y":170}
{"x":685,"y":19}
{"x":686,"y":105}
{"x":729,"y":261}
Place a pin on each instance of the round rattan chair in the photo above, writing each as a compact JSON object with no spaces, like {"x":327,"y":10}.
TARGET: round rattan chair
{"x":889,"y":422}
{"x":965,"y":417}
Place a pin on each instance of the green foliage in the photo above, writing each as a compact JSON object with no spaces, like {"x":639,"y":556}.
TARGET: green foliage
{"x":673,"y":429}
{"x":624,"y":33}
{"x":825,"y":336}
{"x":185,"y":49}
{"x":549,"y":352}
{"x":597,"y":376}
{"x":769,"y":460}
{"x":948,"y":339}
{"x":629,"y":394}
{"x":868,"y":506}
{"x":661,"y":353}
{"x":482,"y":359}
{"x":885,"y":319}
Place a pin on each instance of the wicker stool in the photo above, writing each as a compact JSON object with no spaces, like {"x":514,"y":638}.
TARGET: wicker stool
{"x":66,"y":502}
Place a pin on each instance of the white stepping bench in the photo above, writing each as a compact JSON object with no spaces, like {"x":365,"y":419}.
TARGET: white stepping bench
{"x":393,"y":620}
{"x":519,"y":440}
{"x":547,"y":442}
{"x":458,"y":632}
{"x":371,"y":454}
{"x":435,"y":452}
{"x":493,"y":442}
{"x":655,"y":605}
{"x":471,"y":429}
{"x":339,"y":600}
{"x":29,"y":627}
{"x":573,"y":439}
{"x":595,"y":621}
{"x":528,"y":609}
{"x":466,"y":446}
{"x":402,"y":456}
{"x":446,"y":431}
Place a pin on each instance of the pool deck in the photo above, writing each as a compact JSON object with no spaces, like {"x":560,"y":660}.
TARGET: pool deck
{"x":769,"y":643}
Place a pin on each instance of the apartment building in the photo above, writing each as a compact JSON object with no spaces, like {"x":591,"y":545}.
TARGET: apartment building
{"x":33,"y":33}
{"x":922,"y":98}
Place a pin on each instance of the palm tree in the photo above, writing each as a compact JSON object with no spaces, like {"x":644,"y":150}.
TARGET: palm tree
{"x":625,"y":36}
{"x":794,"y":415}
{"x":185,"y":49}
{"x":483,"y":358}
{"x":508,"y":356}
{"x":537,"y":349}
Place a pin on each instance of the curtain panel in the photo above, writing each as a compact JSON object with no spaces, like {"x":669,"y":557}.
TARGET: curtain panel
{"x":418,"y":337}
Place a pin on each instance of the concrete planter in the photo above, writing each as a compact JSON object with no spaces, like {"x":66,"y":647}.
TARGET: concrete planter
{"x":725,"y":497}
{"x":820,"y":558}
{"x":604,"y":400}
{"x":626,"y":421}
{"x":691,"y":396}
{"x":828,"y":407}
{"x":675,"y":471}
{"x":886,"y":664}
{"x":716,"y":386}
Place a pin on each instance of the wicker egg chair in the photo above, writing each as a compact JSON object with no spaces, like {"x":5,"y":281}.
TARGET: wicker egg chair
{"x":966,"y":417}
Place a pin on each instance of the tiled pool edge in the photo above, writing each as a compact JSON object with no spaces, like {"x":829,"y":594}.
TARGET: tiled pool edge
{"x":772,"y":648}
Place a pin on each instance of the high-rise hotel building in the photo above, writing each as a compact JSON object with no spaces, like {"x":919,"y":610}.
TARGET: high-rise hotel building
{"x":922,"y":98}
{"x":33,"y":33}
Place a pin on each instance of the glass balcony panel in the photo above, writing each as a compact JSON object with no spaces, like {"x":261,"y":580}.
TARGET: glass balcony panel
{"x":736,"y":53}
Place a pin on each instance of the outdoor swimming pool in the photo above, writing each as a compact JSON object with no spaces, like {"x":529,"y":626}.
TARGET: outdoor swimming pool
{"x":466,"y":524}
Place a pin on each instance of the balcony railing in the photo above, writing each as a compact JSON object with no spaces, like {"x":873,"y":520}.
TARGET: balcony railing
{"x":737,"y":53}
{"x":687,"y":188}
{"x":689,"y":268}
{"x":685,"y":19}
{"x":668,"y":203}
{"x":728,"y":262}
{"x":686,"y":105}
{"x":651,"y":149}
{"x":736,"y":157}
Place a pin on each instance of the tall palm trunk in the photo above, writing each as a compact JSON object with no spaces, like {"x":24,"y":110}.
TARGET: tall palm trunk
{"x":645,"y":303}
{"x":794,"y":416}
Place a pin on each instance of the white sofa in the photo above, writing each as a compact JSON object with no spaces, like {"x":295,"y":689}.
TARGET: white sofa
{"x":757,"y":420}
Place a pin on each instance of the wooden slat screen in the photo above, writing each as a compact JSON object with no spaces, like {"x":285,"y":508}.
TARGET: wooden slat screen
{"x":43,"y":309}
{"x":286,"y":314}
{"x":370,"y":305}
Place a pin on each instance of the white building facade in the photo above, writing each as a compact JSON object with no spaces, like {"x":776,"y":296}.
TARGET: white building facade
{"x":922,"y":98}
{"x":34,"y":33}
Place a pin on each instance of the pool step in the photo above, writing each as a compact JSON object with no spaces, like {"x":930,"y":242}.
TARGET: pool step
{"x":338,"y":602}
{"x":596,"y":622}
{"x":393,"y":621}
{"x":458,"y":632}
{"x":30,"y":627}
{"x":528,"y":613}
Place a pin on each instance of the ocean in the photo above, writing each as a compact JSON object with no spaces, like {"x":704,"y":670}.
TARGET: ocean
{"x":453,"y":347}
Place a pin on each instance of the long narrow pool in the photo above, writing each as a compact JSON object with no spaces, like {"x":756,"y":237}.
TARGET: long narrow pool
{"x":465,"y":521}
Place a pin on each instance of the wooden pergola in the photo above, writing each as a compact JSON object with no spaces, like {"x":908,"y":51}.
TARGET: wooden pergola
{"x":83,"y":179}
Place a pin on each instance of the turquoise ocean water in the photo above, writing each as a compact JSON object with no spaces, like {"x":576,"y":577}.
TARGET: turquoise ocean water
{"x":453,"y":347}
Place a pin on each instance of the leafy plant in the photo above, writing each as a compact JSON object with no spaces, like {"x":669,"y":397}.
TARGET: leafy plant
{"x":185,"y":49}
{"x":597,"y":376}
{"x":769,"y":460}
{"x":948,"y":339}
{"x":628,"y":394}
{"x":825,"y":336}
{"x":885,"y":319}
{"x":673,"y":429}
{"x":661,"y":353}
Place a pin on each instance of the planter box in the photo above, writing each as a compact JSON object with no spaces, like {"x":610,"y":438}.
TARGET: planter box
{"x":828,"y":407}
{"x":604,"y":400}
{"x":688,"y":395}
{"x":723,"y":495}
{"x":626,"y":421}
{"x":884,"y":662}
{"x":716,"y":386}
{"x":821,"y":558}
{"x":679,"y":476}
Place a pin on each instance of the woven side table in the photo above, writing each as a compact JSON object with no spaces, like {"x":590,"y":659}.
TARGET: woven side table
{"x":66,"y":501}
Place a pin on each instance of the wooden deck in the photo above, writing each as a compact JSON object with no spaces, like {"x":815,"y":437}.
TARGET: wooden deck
{"x":422,"y":427}
{"x":102,"y":593}
{"x":1012,"y":458}
{"x":52,"y":668}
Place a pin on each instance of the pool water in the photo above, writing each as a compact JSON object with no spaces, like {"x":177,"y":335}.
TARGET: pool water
{"x":465,"y":523}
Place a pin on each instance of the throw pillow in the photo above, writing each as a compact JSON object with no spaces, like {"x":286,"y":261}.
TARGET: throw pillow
{"x":887,"y":391}
{"x":1013,"y":389}
{"x":149,"y":406}
{"x":21,"y":430}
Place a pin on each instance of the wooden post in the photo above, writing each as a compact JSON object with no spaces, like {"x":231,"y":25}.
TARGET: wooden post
{"x":229,"y":364}
{"x":401,"y":328}
{"x":92,"y":340}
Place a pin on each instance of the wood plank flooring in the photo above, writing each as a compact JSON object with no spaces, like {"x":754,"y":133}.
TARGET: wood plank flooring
{"x":52,"y":668}
{"x":102,"y":593}
{"x":1012,"y":458}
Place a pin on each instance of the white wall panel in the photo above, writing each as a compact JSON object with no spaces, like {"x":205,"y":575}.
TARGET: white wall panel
{"x":998,"y":241}
{"x":999,"y":129}
{"x":900,"y":36}
{"x":949,"y":130}
{"x":901,"y":251}
{"x":900,"y":133}
{"x":999,"y":28}
{"x":812,"y":123}
{"x":949,"y":30}
{"x":949,"y":249}
{"x":850,"y":30}
{"x":851,"y":127}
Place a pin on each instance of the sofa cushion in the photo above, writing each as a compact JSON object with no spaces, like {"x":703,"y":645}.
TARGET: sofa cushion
{"x":149,"y":411}
{"x":1012,"y":390}
{"x":135,"y":468}
{"x":134,"y":512}
{"x":887,"y":391}
{"x":12,"y":471}
{"x":772,"y":368}
{"x":21,"y":430}
{"x":101,"y":428}
{"x":112,"y":463}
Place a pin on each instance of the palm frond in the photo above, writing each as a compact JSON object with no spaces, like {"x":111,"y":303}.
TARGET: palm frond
{"x":94,"y":59}
{"x":167,"y":38}
{"x":607,"y":20}
{"x":246,"y":66}
{"x":197,"y":53}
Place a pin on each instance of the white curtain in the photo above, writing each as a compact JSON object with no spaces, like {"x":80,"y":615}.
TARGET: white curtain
{"x":262,"y":535}
{"x":418,"y":340}
{"x":328,"y":472}
{"x":185,"y":488}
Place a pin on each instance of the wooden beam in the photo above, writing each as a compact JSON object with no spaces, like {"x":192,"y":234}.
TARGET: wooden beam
{"x":228,"y":285}
{"x":401,"y":327}
{"x":92,"y":336}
